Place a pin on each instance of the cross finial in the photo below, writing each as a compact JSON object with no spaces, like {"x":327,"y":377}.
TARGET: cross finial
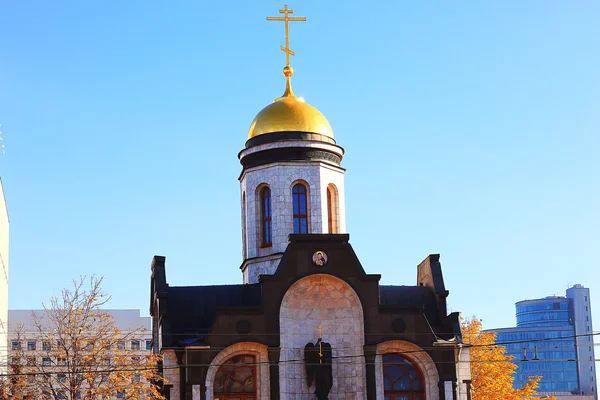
{"x":320,"y":330}
{"x":286,"y":19}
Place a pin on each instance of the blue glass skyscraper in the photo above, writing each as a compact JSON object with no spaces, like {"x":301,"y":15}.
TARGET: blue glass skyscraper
{"x":553,"y":339}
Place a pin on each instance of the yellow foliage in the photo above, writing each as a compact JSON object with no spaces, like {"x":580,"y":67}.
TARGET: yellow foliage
{"x":492,"y":370}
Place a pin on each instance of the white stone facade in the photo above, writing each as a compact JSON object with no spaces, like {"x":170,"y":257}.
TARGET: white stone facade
{"x":280,"y":177}
{"x":171,"y":373}
{"x":330,"y":302}
{"x":4,"y":223}
{"x":463,"y":372}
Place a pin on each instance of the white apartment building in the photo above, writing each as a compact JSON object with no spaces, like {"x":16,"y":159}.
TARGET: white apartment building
{"x":125,"y":320}
{"x":28,"y":347}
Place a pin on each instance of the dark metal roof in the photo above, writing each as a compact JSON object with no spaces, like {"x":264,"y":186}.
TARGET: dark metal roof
{"x":418,"y":297}
{"x":406,"y":296}
{"x":193,"y":309}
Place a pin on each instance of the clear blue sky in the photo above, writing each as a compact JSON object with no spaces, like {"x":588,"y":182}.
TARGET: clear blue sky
{"x":471,"y":129}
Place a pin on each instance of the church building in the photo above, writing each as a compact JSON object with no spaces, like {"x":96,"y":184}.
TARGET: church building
{"x":307,"y":321}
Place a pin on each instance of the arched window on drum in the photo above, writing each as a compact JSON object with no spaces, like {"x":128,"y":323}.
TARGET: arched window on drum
{"x":266,"y":214}
{"x":333,"y":213}
{"x":300,"y":208}
{"x":402,"y":380}
{"x":236,"y":379}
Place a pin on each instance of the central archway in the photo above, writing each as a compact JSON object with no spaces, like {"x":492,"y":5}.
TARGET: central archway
{"x":332,"y":303}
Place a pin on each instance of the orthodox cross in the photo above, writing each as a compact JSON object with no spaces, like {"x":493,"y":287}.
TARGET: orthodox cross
{"x":286,"y":18}
{"x":320,"y":330}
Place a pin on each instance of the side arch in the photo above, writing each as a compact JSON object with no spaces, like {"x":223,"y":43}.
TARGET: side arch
{"x":418,"y":356}
{"x":258,"y":350}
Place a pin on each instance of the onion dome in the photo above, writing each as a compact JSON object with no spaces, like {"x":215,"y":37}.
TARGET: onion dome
{"x":289,"y":113}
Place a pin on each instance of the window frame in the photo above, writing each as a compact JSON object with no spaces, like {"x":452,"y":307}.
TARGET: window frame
{"x":333,"y":213}
{"x":224,"y":395}
{"x":266,"y":216}
{"x":297,"y":214}
{"x":411,"y":394}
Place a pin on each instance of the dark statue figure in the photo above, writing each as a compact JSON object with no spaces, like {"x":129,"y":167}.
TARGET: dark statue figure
{"x":319,"y":368}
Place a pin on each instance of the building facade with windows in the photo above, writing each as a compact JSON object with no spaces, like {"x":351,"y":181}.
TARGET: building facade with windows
{"x":306,"y":320}
{"x":554,"y":339}
{"x":4,"y":223}
{"x":42,"y":353}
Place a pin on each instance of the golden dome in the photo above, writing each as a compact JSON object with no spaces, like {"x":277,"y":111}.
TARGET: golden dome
{"x":289,"y":114}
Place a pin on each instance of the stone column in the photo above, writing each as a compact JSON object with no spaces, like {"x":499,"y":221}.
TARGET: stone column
{"x":442,"y":390}
{"x":370,"y":353}
{"x":273,"y":353}
{"x":182,"y":383}
{"x":467,"y":383}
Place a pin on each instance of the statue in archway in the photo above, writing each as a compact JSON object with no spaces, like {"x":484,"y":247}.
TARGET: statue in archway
{"x":318,"y":363}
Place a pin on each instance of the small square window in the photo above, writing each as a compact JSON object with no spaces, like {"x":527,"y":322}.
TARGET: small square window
{"x":121,"y":345}
{"x":46,"y":362}
{"x":148,"y":345}
{"x":120,"y":394}
{"x":135,"y":345}
{"x":62,"y":378}
{"x":46,"y":346}
{"x":136,"y":377}
{"x":31,"y":346}
{"x":61,"y":361}
{"x":30,"y":361}
{"x":16,"y":345}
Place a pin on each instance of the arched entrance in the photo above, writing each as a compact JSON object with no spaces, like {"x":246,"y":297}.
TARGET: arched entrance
{"x":314,"y":304}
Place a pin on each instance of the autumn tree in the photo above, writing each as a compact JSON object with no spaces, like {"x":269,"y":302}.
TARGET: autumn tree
{"x":492,"y":370}
{"x":81,"y":352}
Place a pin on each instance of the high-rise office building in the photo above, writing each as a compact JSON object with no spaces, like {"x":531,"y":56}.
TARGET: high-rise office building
{"x":554,"y":339}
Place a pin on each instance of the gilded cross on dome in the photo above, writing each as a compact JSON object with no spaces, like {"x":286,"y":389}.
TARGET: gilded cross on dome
{"x":286,"y":19}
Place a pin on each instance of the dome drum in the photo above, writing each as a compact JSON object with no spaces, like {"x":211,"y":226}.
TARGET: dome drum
{"x":290,"y":154}
{"x":291,"y":135}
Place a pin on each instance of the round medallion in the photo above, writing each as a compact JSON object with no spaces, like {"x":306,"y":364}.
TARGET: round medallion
{"x":398,"y":325}
{"x":242,"y":326}
{"x":319,"y":258}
